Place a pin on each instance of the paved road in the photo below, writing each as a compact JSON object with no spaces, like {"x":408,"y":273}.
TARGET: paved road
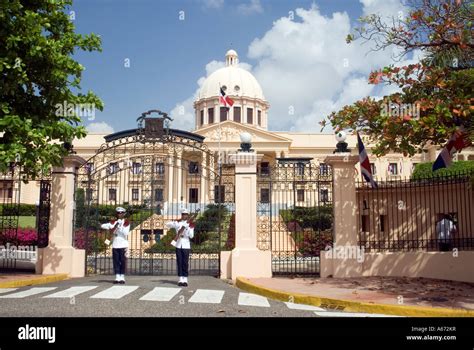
{"x":147,"y":296}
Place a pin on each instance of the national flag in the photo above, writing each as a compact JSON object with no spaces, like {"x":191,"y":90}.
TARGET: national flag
{"x":365,"y":163}
{"x":226,"y":100}
{"x":456,"y":143}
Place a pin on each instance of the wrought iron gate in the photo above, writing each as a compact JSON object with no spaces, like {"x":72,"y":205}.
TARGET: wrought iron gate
{"x":294,"y":214}
{"x":153,"y":172}
{"x":24,"y":218}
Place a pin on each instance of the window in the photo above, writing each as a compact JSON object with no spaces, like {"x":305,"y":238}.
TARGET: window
{"x":89,"y":167}
{"x":300,"y":169}
{"x":160,"y":168}
{"x":210,"y":115}
{"x":324,"y":195}
{"x":223,"y":112}
{"x":264,"y":168}
{"x":219,"y":193}
{"x":136,"y":168}
{"x":265,"y":195}
{"x":393,"y":169}
{"x":383,"y":223}
{"x":135,"y":194}
{"x":202,"y":117}
{"x":112,"y":194}
{"x":113,"y":168}
{"x":158,"y":194}
{"x":300,"y":195}
{"x":259,"y":117}
{"x":6,"y":189}
{"x":193,"y":168}
{"x":249,"y":115}
{"x":365,"y":223}
{"x":237,"y":111}
{"x":323,"y":169}
{"x":193,"y":195}
{"x":373,"y":169}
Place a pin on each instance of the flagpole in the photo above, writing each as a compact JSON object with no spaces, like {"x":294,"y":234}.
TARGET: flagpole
{"x":219,"y":161}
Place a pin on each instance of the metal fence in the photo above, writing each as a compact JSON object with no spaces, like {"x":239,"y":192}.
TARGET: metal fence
{"x":430,"y":214}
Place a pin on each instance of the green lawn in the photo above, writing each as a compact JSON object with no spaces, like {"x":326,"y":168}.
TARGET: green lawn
{"x":27,"y":221}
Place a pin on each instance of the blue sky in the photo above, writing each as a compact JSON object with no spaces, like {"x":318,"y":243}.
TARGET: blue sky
{"x":168,"y":56}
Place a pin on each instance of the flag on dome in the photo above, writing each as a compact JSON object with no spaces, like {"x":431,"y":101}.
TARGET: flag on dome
{"x":226,"y":100}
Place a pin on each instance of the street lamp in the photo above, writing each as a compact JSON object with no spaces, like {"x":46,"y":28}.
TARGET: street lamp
{"x":245,"y":142}
{"x":341,"y":146}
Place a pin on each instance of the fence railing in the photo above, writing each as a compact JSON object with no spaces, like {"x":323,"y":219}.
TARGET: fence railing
{"x":432,"y":214}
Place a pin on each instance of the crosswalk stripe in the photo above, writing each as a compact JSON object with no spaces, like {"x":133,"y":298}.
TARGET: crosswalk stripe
{"x":28,"y":292}
{"x":348,"y":314}
{"x":161,"y":294}
{"x":207,"y":296}
{"x":294,"y":306}
{"x":115,"y":292}
{"x":248,"y":299}
{"x":70,"y":292}
{"x":7,"y":290}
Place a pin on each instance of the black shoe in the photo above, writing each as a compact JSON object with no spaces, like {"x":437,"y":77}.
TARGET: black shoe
{"x":185,"y":284}
{"x":122,"y":282}
{"x":116,"y":282}
{"x":180,"y":284}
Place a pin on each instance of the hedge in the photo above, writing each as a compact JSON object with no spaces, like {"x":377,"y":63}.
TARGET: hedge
{"x":424,"y":170}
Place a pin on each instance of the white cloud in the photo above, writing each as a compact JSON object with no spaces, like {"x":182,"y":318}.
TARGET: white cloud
{"x":100,"y":128}
{"x":304,"y":65}
{"x":254,"y":6}
{"x":214,"y":4}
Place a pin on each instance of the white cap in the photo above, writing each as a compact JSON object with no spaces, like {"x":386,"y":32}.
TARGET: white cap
{"x":184,"y":211}
{"x":120,"y":210}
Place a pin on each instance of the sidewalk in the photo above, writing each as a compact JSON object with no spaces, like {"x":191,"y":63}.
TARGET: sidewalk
{"x":15,"y":280}
{"x":387,"y":295}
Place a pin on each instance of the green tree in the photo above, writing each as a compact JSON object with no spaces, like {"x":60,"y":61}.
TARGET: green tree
{"x":436,"y":94}
{"x":38,"y":76}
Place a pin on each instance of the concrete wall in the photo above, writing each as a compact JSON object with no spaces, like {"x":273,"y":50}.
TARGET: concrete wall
{"x":438,"y":265}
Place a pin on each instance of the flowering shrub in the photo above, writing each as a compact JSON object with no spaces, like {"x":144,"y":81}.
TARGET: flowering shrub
{"x":95,"y":242}
{"x":22,"y":236}
{"x":313,"y":243}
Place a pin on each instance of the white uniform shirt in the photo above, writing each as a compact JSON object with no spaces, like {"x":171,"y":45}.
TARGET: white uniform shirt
{"x":121,"y":233}
{"x":444,"y":228}
{"x":188,"y":233}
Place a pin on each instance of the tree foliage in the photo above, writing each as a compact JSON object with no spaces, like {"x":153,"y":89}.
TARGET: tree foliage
{"x":435,"y":95}
{"x":38,"y":74}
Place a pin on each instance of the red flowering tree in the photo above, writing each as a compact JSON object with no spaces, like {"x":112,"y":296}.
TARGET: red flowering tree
{"x":436,"y":95}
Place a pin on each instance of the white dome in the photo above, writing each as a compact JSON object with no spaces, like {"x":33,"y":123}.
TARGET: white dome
{"x":235,"y":81}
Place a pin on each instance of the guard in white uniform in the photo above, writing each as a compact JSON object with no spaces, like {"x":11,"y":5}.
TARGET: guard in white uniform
{"x":185,"y":231}
{"x":120,"y":229}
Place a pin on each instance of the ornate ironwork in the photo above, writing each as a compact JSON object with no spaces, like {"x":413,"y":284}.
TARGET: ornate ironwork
{"x":153,"y":177}
{"x":294,"y":214}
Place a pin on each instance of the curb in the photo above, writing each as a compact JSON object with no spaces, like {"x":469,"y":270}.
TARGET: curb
{"x":34,"y":281}
{"x":350,"y":306}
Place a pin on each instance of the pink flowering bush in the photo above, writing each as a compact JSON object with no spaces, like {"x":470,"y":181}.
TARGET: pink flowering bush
{"x":22,"y":236}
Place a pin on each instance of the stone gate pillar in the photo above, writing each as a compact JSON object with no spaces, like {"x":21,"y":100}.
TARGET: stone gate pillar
{"x":60,"y":256}
{"x":345,"y":215}
{"x":246,"y":259}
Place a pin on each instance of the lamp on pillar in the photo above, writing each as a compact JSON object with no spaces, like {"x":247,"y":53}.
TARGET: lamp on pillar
{"x":245,"y":142}
{"x":341,"y":146}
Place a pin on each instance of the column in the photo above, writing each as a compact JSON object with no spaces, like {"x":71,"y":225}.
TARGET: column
{"x":60,"y":256}
{"x":170,"y":183}
{"x":179,"y":183}
{"x":246,"y":259}
{"x":345,"y":226}
{"x":203,"y":179}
